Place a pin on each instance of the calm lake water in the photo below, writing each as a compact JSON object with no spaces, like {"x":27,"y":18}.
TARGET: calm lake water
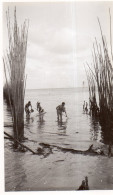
{"x":58,"y":171}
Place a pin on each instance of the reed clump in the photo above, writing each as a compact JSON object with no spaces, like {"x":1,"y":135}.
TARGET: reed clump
{"x":6,"y":95}
{"x":14,"y":69}
{"x":100,"y":77}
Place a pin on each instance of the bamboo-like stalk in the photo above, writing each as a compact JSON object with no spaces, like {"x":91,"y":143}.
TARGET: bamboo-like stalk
{"x":15,"y":60}
{"x":102,"y":76}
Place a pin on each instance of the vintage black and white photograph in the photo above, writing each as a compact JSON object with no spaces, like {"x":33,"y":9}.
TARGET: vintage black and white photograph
{"x":58,"y":95}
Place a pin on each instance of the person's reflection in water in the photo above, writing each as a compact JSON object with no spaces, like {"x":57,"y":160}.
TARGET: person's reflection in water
{"x":62,"y":126}
{"x":29,"y":120}
{"x":41,"y":118}
{"x":29,"y":124}
{"x":41,"y":123}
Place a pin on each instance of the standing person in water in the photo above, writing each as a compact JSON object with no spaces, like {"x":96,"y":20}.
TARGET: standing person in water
{"x":39,"y":108}
{"x":86,"y":108}
{"x":60,"y":109}
{"x":28,"y":109}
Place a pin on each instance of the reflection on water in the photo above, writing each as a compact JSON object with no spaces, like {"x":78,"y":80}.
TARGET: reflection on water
{"x":100,"y":131}
{"x":29,"y":123}
{"x":29,"y":120}
{"x":41,"y":124}
{"x":78,"y":122}
{"x":79,"y":130}
{"x":81,"y":123}
{"x":62,"y":126}
{"x":95,"y":128}
{"x":107,"y":134}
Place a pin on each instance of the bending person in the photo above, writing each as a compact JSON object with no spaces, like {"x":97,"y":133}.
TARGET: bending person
{"x":60,"y":109}
{"x":39,"y":108}
{"x":28,"y":109}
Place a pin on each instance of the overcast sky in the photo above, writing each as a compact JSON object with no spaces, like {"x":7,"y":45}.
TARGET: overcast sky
{"x":60,"y":39}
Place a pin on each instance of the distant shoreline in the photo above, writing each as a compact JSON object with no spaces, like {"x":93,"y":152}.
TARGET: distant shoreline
{"x":59,"y":88}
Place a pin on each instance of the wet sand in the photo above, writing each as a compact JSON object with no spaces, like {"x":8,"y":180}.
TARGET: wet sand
{"x":56,"y":171}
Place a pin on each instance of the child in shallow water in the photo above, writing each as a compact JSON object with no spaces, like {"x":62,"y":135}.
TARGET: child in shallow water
{"x":39,"y":108}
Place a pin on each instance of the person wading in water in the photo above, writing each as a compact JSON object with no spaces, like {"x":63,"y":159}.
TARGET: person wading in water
{"x":60,"y":109}
{"x":40,"y":110}
{"x":28,"y":109}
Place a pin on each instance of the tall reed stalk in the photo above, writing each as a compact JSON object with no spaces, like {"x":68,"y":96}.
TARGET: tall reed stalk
{"x":102,"y":76}
{"x":14,"y":69}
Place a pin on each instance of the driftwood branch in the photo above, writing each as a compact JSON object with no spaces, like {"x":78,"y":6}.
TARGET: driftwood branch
{"x":19,"y":143}
{"x":90,"y":150}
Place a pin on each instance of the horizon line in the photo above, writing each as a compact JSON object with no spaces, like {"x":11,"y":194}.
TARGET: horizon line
{"x":56,"y":88}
